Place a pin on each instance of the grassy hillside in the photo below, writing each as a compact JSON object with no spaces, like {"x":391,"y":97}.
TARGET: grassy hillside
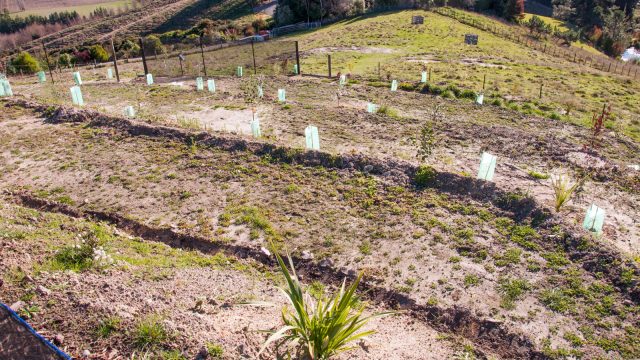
{"x":563,"y":26}
{"x":514,"y":73}
{"x":154,"y":17}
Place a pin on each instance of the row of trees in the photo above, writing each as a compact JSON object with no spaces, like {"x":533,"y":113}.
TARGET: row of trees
{"x":9,"y":24}
{"x":512,"y":10}
{"x":607,"y":24}
{"x":292,"y":11}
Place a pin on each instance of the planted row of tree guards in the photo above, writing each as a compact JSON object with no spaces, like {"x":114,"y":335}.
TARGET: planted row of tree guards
{"x":593,"y":221}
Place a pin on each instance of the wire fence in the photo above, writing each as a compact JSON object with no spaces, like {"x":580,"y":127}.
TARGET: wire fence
{"x":255,"y":57}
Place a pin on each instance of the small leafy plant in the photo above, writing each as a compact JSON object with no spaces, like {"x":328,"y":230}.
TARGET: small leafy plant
{"x":597,"y":126}
{"x":563,"y":190}
{"x":150,"y":333}
{"x":87,"y":252}
{"x":318,"y":329}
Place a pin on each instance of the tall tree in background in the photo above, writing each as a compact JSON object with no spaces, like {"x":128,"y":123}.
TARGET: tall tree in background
{"x":514,"y":9}
{"x":563,"y":9}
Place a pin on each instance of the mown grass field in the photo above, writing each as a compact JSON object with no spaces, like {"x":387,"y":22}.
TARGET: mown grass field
{"x":83,"y":10}
{"x":513,"y":73}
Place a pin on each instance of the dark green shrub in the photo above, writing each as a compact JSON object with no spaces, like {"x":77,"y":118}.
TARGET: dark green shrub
{"x":447,"y":94}
{"x":431,"y":89}
{"x":468,"y":94}
{"x":497,"y":102}
{"x":454,"y":90}
{"x":435,"y":90}
{"x":405,"y":86}
{"x":554,"y":116}
{"x":425,"y":175}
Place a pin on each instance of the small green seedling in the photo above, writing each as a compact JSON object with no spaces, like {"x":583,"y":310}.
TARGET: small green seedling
{"x":312,"y":138}
{"x":487,"y":166}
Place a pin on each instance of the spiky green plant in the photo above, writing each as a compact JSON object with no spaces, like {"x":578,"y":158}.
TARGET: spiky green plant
{"x":317,"y":330}
{"x":563,"y":190}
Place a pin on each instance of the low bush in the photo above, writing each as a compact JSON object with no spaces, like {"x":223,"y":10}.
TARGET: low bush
{"x":425,"y":175}
{"x":405,"y":86}
{"x":447,"y":94}
{"x":468,"y":94}
{"x":386,"y":110}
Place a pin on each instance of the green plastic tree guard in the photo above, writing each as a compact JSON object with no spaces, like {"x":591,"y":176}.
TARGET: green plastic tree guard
{"x":255,"y":128}
{"x":424,"y":77}
{"x":594,"y":219}
{"x":109,"y":73}
{"x":76,"y":96}
{"x":260,"y":92}
{"x":343,"y":80}
{"x":211,"y":85}
{"x":239,"y":71}
{"x":487,"y":166}
{"x":129,"y":111}
{"x":149,"y":79}
{"x":199,"y":84}
{"x":394,"y":85}
{"x":282,"y":95}
{"x":480,"y":99}
{"x":5,"y":88}
{"x":312,"y":138}
{"x":42,"y":77}
{"x":77,"y":78}
{"x":295,"y":69}
{"x":371,"y":108}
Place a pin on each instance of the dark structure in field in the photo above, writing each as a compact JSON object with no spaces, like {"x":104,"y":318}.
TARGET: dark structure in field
{"x":417,"y":20}
{"x":471,"y":39}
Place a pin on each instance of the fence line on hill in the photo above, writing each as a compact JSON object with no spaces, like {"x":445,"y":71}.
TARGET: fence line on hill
{"x":577,"y":55}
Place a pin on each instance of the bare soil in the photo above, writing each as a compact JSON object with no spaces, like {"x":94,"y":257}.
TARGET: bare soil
{"x":429,"y":242}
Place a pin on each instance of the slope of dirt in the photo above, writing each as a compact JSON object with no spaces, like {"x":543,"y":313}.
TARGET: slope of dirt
{"x":525,"y":145}
{"x":435,"y":247}
{"x":196,"y":298}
